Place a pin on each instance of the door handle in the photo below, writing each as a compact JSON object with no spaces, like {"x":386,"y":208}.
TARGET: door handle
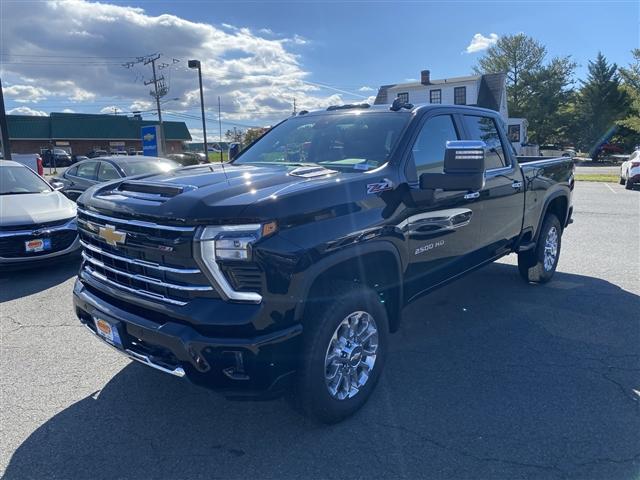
{"x":471,"y":196}
{"x":516,"y":185}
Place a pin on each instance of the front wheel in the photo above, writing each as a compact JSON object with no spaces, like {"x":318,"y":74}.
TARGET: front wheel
{"x":628,"y":185}
{"x":539,"y":265}
{"x":345,"y":346}
{"x":622,"y":181}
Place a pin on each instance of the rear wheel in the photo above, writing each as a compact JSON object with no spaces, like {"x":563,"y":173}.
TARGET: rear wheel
{"x":345,"y":346}
{"x":622,"y":181}
{"x":628,"y":185}
{"x":539,"y":265}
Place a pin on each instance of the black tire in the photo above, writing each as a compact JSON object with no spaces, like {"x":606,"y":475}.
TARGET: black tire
{"x":622,"y":182}
{"x":312,"y":392}
{"x":628,"y":185}
{"x":531,"y":264}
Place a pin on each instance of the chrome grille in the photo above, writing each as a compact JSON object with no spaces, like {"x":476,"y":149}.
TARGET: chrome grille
{"x":155,"y":261}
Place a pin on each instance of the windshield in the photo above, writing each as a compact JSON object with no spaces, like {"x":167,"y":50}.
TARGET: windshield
{"x":137,"y":167}
{"x":19,"y":180}
{"x":353,"y":141}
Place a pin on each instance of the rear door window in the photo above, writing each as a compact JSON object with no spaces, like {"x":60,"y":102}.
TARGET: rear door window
{"x":87,"y":170}
{"x":485,"y":129}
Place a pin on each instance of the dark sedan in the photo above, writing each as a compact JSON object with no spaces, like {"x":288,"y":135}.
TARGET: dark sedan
{"x":87,"y":173}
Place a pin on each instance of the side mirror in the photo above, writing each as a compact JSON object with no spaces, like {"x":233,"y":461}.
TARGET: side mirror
{"x":234,"y":150}
{"x":57,"y":185}
{"x":463,"y":168}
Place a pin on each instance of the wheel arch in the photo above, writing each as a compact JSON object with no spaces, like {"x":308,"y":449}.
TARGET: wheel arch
{"x":558,"y":204}
{"x":376,"y":265}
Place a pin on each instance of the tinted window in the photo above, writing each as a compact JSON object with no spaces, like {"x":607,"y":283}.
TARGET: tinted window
{"x":17,"y":180}
{"x":485,"y":129}
{"x":71,"y":171}
{"x":428,"y":149}
{"x":107,"y":172}
{"x":87,"y":170}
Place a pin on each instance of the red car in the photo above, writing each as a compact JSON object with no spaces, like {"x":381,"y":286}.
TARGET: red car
{"x":611,"y":149}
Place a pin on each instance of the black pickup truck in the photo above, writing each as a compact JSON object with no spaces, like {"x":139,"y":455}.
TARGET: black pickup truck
{"x":290,"y":266}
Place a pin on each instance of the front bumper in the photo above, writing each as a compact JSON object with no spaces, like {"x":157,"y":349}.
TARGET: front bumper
{"x":256,"y":366}
{"x":26,"y":260}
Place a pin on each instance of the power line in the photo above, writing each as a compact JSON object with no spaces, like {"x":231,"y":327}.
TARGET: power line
{"x":64,"y":56}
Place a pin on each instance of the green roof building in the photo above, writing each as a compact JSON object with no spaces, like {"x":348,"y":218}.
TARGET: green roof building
{"x":80,"y":133}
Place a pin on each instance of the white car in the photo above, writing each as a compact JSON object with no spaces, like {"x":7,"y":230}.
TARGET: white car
{"x":37,"y":222}
{"x":630,"y":171}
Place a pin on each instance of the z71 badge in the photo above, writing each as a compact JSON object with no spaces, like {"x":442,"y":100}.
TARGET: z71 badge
{"x":379,"y":186}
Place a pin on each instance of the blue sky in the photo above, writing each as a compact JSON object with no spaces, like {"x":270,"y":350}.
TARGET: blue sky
{"x":285,"y":50}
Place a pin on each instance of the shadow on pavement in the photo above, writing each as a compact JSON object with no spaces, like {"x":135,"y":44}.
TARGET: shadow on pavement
{"x":24,"y":280}
{"x":487,"y":378}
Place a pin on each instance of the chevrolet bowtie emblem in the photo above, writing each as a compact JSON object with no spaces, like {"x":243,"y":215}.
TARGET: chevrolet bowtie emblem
{"x":110,"y":235}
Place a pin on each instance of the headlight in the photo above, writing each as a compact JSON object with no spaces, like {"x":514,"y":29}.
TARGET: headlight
{"x":230,"y":242}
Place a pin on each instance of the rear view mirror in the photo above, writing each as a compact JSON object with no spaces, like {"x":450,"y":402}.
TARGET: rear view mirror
{"x":463,"y":168}
{"x":57,"y":185}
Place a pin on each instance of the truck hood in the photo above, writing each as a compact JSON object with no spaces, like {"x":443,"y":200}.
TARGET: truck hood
{"x":32,"y":208}
{"x":211,"y":194}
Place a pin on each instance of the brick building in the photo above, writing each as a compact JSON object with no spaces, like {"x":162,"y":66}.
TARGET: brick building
{"x":81,"y":133}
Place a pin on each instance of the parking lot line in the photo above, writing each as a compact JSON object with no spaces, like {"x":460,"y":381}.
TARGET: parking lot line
{"x":609,"y":187}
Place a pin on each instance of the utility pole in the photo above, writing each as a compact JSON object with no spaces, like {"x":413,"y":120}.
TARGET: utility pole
{"x":294,"y":107}
{"x":220,"y":129}
{"x":4,"y":128}
{"x":159,"y":90}
{"x":196,"y":64}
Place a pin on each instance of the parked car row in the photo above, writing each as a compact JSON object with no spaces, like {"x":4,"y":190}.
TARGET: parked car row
{"x":85,"y":174}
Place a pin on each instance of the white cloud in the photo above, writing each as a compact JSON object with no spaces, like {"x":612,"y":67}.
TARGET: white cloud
{"x":26,"y":93}
{"x":68,"y":110}
{"x":27,"y":111}
{"x":366,"y":89}
{"x":256,"y":73}
{"x":479,"y":42}
{"x":111,"y":109}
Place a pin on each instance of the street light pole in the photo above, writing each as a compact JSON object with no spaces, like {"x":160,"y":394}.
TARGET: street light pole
{"x":4,"y":128}
{"x":196,"y":64}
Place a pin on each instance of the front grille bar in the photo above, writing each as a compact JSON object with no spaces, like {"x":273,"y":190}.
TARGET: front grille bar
{"x":140,"y":263}
{"x":137,"y":223}
{"x":143,"y":278}
{"x":144,"y":293}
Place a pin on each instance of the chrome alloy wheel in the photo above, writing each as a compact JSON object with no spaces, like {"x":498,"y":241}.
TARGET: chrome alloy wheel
{"x":550,"y":249}
{"x":351,"y":355}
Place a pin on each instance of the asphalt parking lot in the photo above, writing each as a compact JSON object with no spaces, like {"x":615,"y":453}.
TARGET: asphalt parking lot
{"x":488,"y":378}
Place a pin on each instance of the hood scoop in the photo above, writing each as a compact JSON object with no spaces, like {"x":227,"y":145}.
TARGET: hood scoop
{"x":156,"y":191}
{"x":311,"y":172}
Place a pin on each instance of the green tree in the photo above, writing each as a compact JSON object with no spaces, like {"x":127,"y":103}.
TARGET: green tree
{"x":600,"y":103}
{"x":631,"y":86}
{"x":548,"y":95}
{"x":253,"y":134}
{"x":518,"y":56}
{"x":234,"y":135}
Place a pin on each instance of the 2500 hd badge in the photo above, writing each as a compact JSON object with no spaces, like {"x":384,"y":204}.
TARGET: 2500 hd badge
{"x":289,"y":267}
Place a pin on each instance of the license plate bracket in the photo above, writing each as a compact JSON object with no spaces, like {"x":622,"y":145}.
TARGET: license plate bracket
{"x":37,"y":245}
{"x":108,"y":330}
